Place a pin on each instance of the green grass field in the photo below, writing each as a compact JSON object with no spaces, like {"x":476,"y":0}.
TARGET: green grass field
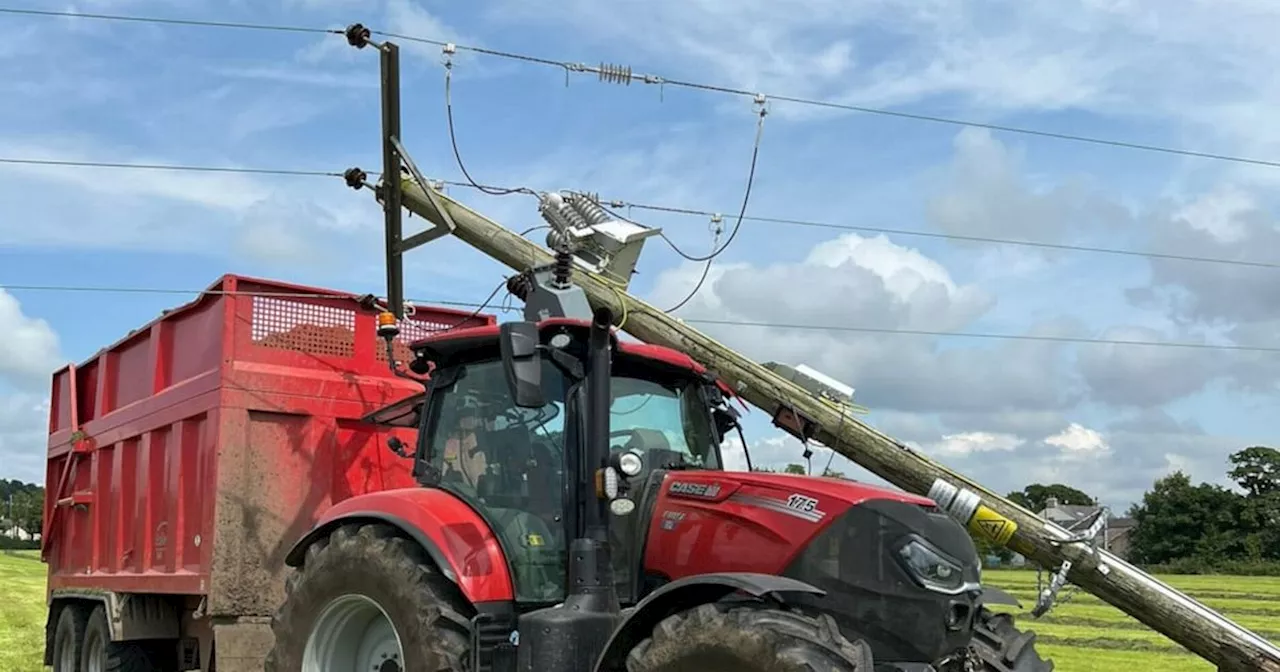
{"x":22,"y":616}
{"x":1086,"y":634}
{"x":1082,"y":635}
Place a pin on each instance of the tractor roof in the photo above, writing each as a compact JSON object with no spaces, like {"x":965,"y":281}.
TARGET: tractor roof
{"x":461,"y":343}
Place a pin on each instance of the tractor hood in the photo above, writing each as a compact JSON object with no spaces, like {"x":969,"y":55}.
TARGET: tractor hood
{"x":897,"y":571}
{"x":852,"y":492}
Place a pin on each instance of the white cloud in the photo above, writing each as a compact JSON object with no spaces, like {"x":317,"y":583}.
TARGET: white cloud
{"x":1077,"y":439}
{"x":23,"y":420}
{"x":30,"y":352}
{"x":969,"y":443}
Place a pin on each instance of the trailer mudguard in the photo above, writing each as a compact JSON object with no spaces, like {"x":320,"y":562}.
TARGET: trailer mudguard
{"x":462,"y":546}
{"x":685,"y":594}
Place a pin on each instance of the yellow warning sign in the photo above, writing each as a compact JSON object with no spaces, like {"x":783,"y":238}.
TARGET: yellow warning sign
{"x":992,"y":526}
{"x":534,"y":539}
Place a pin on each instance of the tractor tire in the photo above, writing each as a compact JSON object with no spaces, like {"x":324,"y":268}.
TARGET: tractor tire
{"x":1003,"y":647}
{"x":719,"y":638}
{"x":367,"y":598}
{"x":100,"y":653}
{"x":68,"y":638}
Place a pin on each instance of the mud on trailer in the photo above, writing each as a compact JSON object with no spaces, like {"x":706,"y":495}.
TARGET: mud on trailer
{"x":186,"y":459}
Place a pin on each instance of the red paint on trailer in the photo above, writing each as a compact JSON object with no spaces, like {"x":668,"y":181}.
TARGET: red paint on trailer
{"x":189,"y":456}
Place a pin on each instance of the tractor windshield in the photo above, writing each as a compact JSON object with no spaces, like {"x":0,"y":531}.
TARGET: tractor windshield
{"x":666,"y":422}
{"x":510,"y":464}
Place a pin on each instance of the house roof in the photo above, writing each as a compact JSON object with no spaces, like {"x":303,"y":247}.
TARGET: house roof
{"x":1071,"y":511}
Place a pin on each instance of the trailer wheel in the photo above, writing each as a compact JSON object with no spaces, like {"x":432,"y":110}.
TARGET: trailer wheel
{"x":1003,"y":647}
{"x":716,"y":638}
{"x":367,"y":598}
{"x":68,"y":637}
{"x":100,"y":654}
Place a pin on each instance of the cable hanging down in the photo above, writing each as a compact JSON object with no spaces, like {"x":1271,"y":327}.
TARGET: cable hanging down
{"x":762,"y":111}
{"x":448,"y":50}
{"x":617,"y":73}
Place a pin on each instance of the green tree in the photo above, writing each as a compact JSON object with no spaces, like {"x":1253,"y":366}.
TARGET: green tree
{"x":1177,"y":520}
{"x":795,"y":469}
{"x":1034,"y":496}
{"x":28,"y":509}
{"x":1257,"y":470}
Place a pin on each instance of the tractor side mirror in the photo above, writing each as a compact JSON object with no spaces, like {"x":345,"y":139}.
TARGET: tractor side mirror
{"x":522,"y":363}
{"x":725,"y":419}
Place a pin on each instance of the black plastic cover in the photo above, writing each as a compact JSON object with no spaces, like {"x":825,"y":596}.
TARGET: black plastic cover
{"x":872,"y":596}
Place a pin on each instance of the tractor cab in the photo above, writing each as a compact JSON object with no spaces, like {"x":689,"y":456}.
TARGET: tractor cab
{"x":524,"y":464}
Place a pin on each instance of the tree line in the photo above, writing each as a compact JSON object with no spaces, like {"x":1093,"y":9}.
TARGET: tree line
{"x":1181,"y":527}
{"x":21,"y":507}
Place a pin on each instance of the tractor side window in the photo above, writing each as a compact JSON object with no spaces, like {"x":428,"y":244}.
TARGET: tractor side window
{"x":734,"y":453}
{"x":507,"y":461}
{"x":666,"y":424}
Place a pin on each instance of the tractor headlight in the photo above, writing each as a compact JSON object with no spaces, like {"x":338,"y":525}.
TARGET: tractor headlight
{"x":931,"y":569}
{"x":630,"y":464}
{"x":622,"y":506}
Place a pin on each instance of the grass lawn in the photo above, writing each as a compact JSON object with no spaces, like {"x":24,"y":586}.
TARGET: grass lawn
{"x":1085,"y":634}
{"x":22,"y":616}
{"x":1081,"y":635}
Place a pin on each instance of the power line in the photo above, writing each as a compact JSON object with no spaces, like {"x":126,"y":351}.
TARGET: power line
{"x":166,"y":166}
{"x":176,"y":22}
{"x":675,"y":210}
{"x":624,"y":74}
{"x":735,"y":323}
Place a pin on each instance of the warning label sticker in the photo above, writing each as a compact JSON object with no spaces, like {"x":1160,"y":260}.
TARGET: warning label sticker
{"x":991,"y":525}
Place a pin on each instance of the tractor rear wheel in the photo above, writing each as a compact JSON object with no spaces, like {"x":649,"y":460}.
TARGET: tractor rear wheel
{"x":720,"y":638}
{"x":1004,"y":648}
{"x":367,"y":598}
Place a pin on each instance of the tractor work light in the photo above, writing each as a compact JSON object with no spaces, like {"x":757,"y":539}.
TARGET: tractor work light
{"x":932,"y":570}
{"x":607,"y":483}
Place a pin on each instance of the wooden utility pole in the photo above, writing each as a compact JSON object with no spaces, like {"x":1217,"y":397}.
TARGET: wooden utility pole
{"x":1166,"y":610}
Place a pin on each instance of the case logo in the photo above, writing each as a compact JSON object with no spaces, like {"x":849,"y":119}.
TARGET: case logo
{"x":687,"y":489}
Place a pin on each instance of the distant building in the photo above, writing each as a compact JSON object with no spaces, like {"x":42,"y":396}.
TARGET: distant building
{"x":1114,"y":536}
{"x":15,"y":532}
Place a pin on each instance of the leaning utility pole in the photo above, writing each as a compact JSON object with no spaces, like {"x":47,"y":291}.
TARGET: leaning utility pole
{"x":809,"y":417}
{"x":1205,"y":632}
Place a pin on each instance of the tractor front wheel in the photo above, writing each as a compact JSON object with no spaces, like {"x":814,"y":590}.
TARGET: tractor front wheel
{"x":722,"y":638}
{"x":365,"y":599}
{"x":1003,"y":647}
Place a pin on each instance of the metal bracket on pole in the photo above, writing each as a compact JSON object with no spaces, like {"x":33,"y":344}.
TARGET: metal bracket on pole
{"x":395,"y":161}
{"x":1049,"y":595}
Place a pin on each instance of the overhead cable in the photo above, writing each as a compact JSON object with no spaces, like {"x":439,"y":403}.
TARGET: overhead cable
{"x":624,"y":74}
{"x":20,"y":287}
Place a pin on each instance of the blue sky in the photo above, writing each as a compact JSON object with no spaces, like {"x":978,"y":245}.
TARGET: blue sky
{"x":1107,"y":419}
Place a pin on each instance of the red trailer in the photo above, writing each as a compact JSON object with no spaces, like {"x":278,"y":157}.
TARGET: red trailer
{"x":186,"y":459}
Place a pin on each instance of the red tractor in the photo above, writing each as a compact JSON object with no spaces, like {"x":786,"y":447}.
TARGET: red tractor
{"x":574,"y":515}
